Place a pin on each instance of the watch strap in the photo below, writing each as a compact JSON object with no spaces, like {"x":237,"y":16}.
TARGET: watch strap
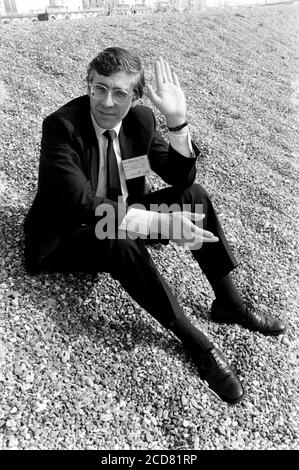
{"x":178,"y":128}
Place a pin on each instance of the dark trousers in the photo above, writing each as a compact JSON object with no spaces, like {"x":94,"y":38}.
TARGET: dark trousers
{"x":129,"y":261}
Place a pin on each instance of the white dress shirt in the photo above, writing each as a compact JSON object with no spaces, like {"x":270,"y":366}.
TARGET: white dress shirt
{"x":136,"y":220}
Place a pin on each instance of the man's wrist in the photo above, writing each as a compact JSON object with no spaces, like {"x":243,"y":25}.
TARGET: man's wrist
{"x":176,"y":121}
{"x":163,"y":224}
{"x":178,"y":128}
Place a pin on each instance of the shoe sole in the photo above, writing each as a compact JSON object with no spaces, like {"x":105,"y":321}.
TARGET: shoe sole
{"x":272,"y":333}
{"x":221,"y":397}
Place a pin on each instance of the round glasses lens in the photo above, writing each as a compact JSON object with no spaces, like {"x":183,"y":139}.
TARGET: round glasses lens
{"x":99,"y":92}
{"x":119,"y":96}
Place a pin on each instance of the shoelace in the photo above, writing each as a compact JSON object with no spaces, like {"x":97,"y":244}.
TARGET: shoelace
{"x":213,"y":359}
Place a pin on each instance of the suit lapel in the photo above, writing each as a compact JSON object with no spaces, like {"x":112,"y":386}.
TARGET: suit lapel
{"x":129,"y":149}
{"x":131,"y":145}
{"x":92,"y":159}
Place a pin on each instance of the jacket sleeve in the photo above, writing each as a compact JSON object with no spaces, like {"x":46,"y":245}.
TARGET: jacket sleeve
{"x":175,"y":169}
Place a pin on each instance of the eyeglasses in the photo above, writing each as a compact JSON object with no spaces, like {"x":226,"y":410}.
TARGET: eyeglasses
{"x":99,"y":92}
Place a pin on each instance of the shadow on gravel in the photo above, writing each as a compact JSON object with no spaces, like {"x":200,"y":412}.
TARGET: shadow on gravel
{"x":73,"y":300}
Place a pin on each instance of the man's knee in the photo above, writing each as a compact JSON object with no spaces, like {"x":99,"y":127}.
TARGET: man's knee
{"x":126,"y":249}
{"x":195,"y":194}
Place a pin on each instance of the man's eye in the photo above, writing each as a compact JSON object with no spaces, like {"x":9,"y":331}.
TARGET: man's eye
{"x":100,"y":88}
{"x":120,"y":94}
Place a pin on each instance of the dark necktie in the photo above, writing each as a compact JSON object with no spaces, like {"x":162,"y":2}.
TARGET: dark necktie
{"x":113,"y":181}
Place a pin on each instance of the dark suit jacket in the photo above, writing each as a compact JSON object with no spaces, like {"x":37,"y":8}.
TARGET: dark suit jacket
{"x":68,"y":172}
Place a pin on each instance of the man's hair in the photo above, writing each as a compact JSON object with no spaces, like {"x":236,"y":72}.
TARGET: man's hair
{"x":116,"y":59}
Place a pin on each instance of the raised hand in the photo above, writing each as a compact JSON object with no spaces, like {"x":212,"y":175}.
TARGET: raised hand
{"x":169,"y":97}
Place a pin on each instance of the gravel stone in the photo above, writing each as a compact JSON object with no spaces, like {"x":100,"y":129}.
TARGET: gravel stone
{"x":13,"y":442}
{"x":149,"y":437}
{"x":285,"y":341}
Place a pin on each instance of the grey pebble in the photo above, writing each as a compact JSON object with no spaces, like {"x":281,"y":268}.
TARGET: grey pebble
{"x":149,"y":437}
{"x":11,"y":423}
{"x":15,"y":302}
{"x":285,"y":341}
{"x":65,"y":357}
{"x":13,"y":442}
{"x":88,"y":381}
{"x":106,"y":417}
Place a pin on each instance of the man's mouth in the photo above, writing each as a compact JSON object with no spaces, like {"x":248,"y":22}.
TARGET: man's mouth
{"x":106,"y":114}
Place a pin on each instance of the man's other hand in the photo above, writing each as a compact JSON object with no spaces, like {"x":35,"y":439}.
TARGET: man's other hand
{"x":180,"y":228}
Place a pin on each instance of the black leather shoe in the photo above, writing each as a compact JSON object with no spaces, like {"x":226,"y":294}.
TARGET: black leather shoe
{"x":214,"y":369}
{"x":253,"y":321}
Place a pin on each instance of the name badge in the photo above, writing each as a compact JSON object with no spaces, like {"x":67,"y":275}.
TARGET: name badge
{"x":136,"y":167}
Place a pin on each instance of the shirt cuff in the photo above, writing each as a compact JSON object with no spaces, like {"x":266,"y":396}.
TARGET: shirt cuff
{"x":139,"y":221}
{"x":181,"y":142}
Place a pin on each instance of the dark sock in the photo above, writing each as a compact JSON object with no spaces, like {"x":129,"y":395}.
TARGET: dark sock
{"x":192,"y":338}
{"x":227,"y":295}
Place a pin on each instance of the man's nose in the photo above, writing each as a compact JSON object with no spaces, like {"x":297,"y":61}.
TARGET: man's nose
{"x":108,"y":100}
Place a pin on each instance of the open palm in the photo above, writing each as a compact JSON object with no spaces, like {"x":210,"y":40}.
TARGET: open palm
{"x":169,"y":97}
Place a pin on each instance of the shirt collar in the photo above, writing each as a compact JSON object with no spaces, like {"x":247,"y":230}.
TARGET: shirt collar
{"x":100,"y":130}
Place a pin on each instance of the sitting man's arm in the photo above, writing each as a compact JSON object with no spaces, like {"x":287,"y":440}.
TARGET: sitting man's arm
{"x":170,"y":101}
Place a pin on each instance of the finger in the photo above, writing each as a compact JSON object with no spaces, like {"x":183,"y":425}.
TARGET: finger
{"x":168,"y":72}
{"x":159,"y":75}
{"x":150,"y":93}
{"x":204,"y":234}
{"x":198,"y":243}
{"x":163,"y":69}
{"x":192,"y":233}
{"x":211,"y":240}
{"x":193,"y":215}
{"x":189,"y":215}
{"x":208,"y":236}
{"x":176,"y":79}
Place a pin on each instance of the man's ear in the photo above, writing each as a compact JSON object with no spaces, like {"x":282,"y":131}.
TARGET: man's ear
{"x":135,"y":99}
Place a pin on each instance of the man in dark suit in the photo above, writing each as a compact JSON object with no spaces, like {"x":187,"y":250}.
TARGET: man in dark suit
{"x":95,"y":154}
